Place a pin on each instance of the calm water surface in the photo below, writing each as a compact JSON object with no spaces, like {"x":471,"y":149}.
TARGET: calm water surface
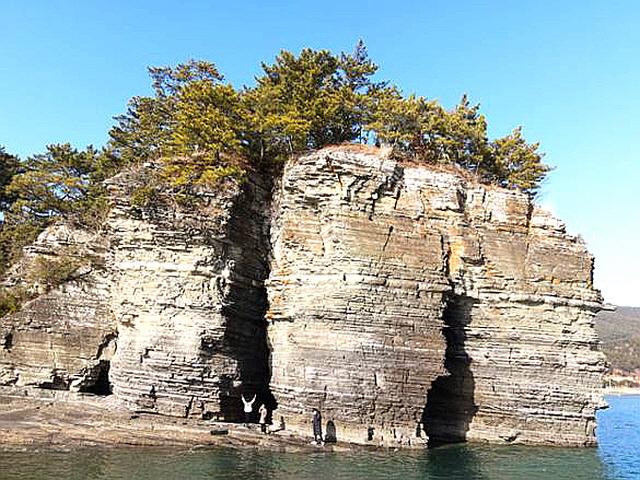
{"x":617,"y":457}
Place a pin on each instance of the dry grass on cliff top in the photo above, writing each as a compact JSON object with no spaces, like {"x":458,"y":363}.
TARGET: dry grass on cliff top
{"x":402,"y":159}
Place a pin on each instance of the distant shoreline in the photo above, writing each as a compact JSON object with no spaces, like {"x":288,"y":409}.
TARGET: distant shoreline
{"x":622,"y":391}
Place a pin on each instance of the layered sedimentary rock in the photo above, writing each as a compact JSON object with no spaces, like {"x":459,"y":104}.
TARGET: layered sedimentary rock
{"x":409,"y":304}
{"x":356,"y":298}
{"x":188,"y":296}
{"x":65,"y":337}
{"x":405,"y":300}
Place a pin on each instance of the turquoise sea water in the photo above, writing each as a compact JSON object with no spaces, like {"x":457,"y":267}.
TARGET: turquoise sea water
{"x":617,"y":457}
{"x":619,"y":437}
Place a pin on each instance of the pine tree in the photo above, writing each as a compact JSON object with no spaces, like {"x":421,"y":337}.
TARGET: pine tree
{"x":202,"y":130}
{"x":9,"y":167}
{"x":518,"y":164}
{"x":56,"y":183}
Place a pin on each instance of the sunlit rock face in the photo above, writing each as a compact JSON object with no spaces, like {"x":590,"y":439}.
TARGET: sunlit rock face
{"x":409,"y":303}
{"x":167,"y":316}
{"x":188,"y":296}
{"x":65,"y":337}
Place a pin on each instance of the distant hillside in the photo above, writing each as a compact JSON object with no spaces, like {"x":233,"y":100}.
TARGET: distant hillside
{"x":619,"y":332}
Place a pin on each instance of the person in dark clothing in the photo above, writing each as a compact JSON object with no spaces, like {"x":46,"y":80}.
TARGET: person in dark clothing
{"x":317,"y":426}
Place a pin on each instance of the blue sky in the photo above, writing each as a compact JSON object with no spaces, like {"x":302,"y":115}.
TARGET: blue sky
{"x":567,"y":71}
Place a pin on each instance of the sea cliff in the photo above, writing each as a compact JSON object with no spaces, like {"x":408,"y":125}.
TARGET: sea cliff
{"x":411,"y":304}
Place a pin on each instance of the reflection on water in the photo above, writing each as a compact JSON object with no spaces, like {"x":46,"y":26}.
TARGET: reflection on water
{"x":460,"y":461}
{"x":617,"y":457}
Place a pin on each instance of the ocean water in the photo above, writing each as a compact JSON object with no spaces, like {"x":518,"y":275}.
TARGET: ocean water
{"x":619,"y":437}
{"x":617,"y":457}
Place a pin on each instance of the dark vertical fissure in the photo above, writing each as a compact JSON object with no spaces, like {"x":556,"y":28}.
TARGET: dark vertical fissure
{"x":8,"y":341}
{"x":450,"y":405}
{"x":245,"y":304}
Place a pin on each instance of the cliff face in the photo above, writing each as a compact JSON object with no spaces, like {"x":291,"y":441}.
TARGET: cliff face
{"x":404,"y":299}
{"x":404,"y":302}
{"x":356,"y":296}
{"x":64,"y":338}
{"x":187,"y":294}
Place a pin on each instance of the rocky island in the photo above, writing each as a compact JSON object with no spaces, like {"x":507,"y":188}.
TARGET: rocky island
{"x":319,"y":241}
{"x":411,"y":304}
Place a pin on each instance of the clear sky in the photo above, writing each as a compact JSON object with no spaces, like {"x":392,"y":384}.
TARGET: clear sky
{"x":568,"y":71}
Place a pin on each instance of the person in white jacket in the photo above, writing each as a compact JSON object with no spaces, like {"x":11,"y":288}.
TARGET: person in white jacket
{"x":248,"y":409}
{"x":263,"y":418}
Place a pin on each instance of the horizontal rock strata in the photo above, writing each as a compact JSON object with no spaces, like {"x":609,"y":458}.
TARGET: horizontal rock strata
{"x":409,"y":304}
{"x":64,"y":338}
{"x":187,"y":293}
{"x":406,"y":301}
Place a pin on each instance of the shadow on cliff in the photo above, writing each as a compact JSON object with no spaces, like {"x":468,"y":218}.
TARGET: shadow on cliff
{"x":244,"y":305}
{"x":450,"y":405}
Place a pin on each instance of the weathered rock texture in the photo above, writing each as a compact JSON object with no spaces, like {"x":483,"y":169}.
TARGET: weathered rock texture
{"x":174,"y":314}
{"x":64,"y":338}
{"x":188,"y":296}
{"x":404,"y":299}
{"x":405,"y":302}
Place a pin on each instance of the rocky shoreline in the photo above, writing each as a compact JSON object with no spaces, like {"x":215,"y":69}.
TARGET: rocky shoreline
{"x":32,"y":420}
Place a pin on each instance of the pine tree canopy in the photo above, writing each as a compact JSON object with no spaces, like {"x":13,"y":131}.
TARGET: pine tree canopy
{"x":202,"y":130}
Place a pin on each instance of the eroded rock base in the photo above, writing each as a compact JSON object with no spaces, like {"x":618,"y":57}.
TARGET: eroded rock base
{"x":60,"y":420}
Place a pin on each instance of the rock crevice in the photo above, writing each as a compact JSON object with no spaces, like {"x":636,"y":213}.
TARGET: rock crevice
{"x":188,"y":295}
{"x":420,"y":301}
{"x":410,"y":304}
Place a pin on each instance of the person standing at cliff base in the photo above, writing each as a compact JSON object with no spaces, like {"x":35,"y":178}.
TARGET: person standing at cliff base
{"x":263,"y":418}
{"x":248,"y":409}
{"x":317,"y":426}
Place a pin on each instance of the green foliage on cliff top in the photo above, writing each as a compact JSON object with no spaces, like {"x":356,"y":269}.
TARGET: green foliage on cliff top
{"x":10,"y":166}
{"x":202,"y":129}
{"x":62,"y":183}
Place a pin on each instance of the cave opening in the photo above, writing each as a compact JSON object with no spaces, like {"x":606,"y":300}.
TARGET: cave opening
{"x":58,"y":381}
{"x":100,"y":384}
{"x":450,"y":405}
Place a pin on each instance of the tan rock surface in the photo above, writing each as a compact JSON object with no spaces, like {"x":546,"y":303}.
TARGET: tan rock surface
{"x":65,"y":337}
{"x":188,"y":297}
{"x":379,"y":268}
{"x":39,"y":419}
{"x":403,"y":301}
